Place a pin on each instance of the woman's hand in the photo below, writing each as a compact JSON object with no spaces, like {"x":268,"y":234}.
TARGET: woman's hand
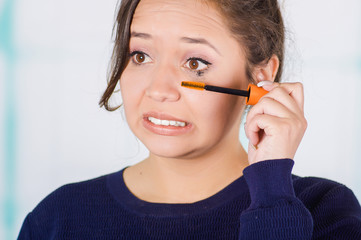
{"x":276,"y":124}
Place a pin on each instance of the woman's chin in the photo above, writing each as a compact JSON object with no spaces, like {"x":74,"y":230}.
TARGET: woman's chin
{"x":172,"y":150}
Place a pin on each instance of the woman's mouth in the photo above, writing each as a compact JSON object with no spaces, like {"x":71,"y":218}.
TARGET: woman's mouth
{"x":157,"y":121}
{"x":163,"y":124}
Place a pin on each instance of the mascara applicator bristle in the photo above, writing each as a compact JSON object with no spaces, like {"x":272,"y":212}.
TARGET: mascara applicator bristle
{"x":194,"y":85}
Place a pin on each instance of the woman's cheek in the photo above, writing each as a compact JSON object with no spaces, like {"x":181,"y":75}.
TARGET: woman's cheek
{"x":132,"y":76}
{"x":218,"y":108}
{"x":133,"y":80}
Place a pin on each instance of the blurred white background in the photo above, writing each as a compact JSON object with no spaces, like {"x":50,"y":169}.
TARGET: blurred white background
{"x":53,"y":62}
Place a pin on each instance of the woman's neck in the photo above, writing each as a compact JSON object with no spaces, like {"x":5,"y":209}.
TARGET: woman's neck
{"x":162,"y":180}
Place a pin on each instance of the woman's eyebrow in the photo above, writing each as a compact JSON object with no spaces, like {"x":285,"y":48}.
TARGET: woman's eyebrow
{"x":183,"y":39}
{"x":199,"y":41}
{"x":140,"y":35}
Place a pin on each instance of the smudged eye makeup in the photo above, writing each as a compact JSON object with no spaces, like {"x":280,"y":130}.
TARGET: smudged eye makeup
{"x":198,"y":65}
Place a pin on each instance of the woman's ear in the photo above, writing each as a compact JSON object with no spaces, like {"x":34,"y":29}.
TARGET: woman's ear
{"x":267,"y":71}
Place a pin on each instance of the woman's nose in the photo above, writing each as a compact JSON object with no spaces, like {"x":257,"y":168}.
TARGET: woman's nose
{"x":164,"y":85}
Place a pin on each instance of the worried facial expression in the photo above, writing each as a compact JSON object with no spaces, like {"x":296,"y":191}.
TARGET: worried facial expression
{"x":171,"y":42}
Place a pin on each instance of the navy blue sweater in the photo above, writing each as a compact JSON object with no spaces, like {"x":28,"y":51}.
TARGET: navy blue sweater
{"x":266,"y":203}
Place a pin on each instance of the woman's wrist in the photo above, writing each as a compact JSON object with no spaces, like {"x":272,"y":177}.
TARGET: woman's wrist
{"x":268,"y":181}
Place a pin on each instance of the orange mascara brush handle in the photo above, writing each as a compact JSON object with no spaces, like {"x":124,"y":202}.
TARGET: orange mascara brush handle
{"x":255,"y":94}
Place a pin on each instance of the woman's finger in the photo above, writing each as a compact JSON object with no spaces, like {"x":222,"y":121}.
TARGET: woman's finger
{"x":274,"y":137}
{"x":279,"y":103}
{"x":270,"y":106}
{"x":270,"y":125}
{"x":294,"y":90}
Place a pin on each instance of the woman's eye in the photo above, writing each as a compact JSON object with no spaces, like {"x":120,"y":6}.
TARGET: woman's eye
{"x":197,"y":64}
{"x":140,"y":57}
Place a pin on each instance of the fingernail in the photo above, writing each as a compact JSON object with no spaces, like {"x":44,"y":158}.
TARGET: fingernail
{"x":264,"y":83}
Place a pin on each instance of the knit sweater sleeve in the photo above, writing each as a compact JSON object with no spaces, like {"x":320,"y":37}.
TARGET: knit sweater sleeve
{"x":275,"y":212}
{"x":321,"y":209}
{"x":334,"y":207}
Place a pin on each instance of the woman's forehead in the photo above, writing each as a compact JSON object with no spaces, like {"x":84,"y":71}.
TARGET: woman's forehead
{"x":160,"y":17}
{"x":192,"y":11}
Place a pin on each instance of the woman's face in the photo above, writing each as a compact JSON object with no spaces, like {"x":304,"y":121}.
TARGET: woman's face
{"x":171,"y":42}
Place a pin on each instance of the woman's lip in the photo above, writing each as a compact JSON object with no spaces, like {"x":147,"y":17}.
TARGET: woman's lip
{"x":165,"y":130}
{"x":163,"y":116}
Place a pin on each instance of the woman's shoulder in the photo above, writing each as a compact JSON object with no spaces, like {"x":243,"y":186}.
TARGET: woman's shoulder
{"x":321,"y":193}
{"x":81,"y":203}
{"x":310,"y":185}
{"x":82,"y":188}
{"x":74,"y":196}
{"x":334,"y":208}
{"x":310,"y":182}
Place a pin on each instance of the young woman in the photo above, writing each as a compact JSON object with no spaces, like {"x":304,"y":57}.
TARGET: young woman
{"x":198,"y":182}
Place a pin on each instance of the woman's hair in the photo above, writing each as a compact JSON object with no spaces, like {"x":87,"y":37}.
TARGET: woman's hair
{"x":256,"y":24}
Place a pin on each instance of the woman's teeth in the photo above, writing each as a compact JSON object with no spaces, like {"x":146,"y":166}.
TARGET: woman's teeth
{"x":166,"y":122}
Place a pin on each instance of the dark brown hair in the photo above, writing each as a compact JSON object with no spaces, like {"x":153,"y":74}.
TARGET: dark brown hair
{"x":256,"y":24}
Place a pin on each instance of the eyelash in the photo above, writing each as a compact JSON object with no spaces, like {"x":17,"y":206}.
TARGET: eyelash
{"x":198,"y":72}
{"x":134,"y":53}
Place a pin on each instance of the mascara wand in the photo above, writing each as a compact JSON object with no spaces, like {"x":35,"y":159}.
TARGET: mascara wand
{"x":253,"y":93}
